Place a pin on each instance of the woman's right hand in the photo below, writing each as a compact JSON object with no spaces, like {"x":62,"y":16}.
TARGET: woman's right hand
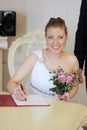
{"x":17,"y":90}
{"x":20,"y":93}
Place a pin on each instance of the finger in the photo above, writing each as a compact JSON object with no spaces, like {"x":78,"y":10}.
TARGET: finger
{"x":80,"y":80}
{"x":19,"y":96}
{"x":23,"y":94}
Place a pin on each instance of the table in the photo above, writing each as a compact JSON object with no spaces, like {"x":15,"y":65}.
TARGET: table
{"x":59,"y":115}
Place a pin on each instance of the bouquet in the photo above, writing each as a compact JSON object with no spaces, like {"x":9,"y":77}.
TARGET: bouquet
{"x":63,"y":82}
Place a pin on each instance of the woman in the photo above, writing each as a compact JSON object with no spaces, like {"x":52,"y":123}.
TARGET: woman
{"x":39,"y":63}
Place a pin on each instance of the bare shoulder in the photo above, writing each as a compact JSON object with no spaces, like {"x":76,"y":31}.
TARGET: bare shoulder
{"x":32,"y":56}
{"x":30,"y":60}
{"x":72,"y":59}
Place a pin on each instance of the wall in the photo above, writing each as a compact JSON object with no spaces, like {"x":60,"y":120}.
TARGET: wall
{"x":33,"y":14}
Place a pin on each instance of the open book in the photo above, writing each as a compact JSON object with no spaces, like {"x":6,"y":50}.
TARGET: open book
{"x":32,"y":100}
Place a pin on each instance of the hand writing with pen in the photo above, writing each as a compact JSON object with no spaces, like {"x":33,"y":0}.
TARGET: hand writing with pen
{"x":20,"y":93}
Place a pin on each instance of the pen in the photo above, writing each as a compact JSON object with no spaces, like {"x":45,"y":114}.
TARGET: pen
{"x":23,"y":91}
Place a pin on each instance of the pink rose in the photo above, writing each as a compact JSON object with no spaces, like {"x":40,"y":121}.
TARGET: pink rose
{"x":69,"y":79}
{"x":62,"y":78}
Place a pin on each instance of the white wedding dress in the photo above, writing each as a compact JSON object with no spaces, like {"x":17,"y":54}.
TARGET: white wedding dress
{"x":40,"y":78}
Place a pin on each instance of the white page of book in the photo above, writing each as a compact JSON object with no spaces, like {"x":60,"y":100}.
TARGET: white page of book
{"x":33,"y":100}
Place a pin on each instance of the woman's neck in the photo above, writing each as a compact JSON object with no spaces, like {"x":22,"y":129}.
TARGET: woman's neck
{"x":54,"y":56}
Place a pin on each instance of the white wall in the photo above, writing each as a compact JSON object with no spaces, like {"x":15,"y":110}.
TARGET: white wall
{"x":39,"y":13}
{"x":33,"y":14}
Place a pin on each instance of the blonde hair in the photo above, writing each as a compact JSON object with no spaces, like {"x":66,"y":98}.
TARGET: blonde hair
{"x":56,"y":22}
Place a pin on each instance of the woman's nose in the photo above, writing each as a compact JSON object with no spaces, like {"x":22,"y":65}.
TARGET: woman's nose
{"x":56,"y":41}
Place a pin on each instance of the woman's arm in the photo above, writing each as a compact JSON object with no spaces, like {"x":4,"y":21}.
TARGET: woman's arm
{"x":24,"y":69}
{"x":75,"y":67}
{"x":73,"y":92}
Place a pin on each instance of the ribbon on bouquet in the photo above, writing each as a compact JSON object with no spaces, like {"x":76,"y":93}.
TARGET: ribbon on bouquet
{"x":64,"y":96}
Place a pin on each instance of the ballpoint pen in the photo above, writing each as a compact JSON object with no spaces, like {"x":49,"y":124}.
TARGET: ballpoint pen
{"x":23,"y":91}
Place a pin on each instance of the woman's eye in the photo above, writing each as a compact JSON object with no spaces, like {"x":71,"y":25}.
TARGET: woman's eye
{"x":50,"y":37}
{"x":60,"y":37}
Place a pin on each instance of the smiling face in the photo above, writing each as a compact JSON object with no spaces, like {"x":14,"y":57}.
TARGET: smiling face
{"x":56,"y":38}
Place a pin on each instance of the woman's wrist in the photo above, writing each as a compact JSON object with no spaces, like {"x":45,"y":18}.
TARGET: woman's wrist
{"x":12,"y":86}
